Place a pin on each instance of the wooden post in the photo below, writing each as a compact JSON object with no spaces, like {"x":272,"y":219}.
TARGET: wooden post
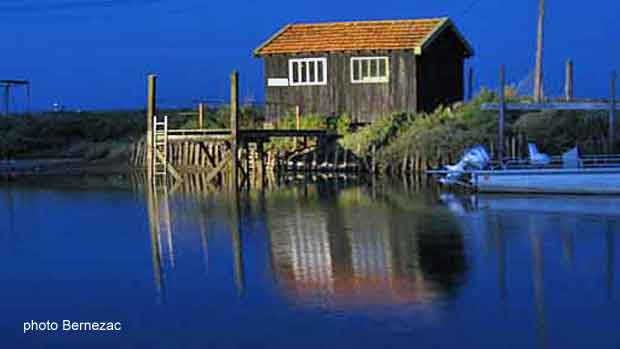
{"x":612,"y":111}
{"x":234,"y":124}
{"x":538,"y":77}
{"x":336,"y":158}
{"x":502,"y":114}
{"x":29,"y":97}
{"x":7,"y":98}
{"x":201,"y":115}
{"x":298,"y":117}
{"x":261,"y":155}
{"x":568,"y":88}
{"x":151,"y":108}
{"x":470,"y":84}
{"x":374,"y":160}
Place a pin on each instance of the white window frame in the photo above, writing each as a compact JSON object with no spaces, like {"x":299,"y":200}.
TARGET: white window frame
{"x":368,"y":79}
{"x":307,"y":61}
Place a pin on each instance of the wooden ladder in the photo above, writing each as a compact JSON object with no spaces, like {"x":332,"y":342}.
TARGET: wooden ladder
{"x":160,"y":147}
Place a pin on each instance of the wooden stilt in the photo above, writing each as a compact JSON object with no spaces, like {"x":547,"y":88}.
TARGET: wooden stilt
{"x":234,"y":120}
{"x":151,"y":107}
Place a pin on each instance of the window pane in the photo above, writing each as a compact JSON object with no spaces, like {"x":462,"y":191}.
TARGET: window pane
{"x":373,"y":68}
{"x":319,"y":67}
{"x":356,"y":70}
{"x":295,"y":69}
{"x":364,"y":68}
{"x":311,"y":71}
{"x":303,"y":72}
{"x":383,"y":67}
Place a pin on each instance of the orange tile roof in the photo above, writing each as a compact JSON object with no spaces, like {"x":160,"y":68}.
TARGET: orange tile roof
{"x":353,"y":36}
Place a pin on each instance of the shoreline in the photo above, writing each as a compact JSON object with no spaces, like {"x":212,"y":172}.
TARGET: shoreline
{"x":14,"y":169}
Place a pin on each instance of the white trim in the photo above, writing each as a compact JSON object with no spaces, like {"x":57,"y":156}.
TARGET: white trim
{"x":277,"y":82}
{"x":370,"y":79}
{"x":307,"y":62}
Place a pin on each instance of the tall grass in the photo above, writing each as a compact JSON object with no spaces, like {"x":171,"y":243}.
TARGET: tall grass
{"x":448,"y":131}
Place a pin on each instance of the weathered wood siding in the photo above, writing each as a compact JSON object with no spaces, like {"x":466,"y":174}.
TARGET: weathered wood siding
{"x":440,"y":72}
{"x":417,"y":83}
{"x":365,"y":102}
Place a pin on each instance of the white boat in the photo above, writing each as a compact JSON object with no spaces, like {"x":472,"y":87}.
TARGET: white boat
{"x":556,"y":181}
{"x":569,"y":174}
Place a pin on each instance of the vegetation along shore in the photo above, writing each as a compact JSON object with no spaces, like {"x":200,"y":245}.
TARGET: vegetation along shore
{"x":396,"y":144}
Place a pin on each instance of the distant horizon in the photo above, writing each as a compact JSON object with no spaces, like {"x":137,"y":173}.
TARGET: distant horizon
{"x":95,"y":55}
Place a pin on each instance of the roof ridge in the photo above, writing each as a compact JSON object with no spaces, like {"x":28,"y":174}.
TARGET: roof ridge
{"x":373,"y":21}
{"x":389,"y":34}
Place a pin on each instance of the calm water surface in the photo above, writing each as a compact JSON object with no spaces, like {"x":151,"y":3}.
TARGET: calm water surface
{"x":322,"y":265}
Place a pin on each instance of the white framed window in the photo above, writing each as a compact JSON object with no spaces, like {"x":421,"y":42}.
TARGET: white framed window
{"x":307,"y":71}
{"x":370,"y":70}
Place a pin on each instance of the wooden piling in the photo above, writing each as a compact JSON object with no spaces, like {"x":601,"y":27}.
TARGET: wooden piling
{"x":201,"y":115}
{"x":374,"y":160}
{"x":502,"y":114}
{"x":568,"y":87}
{"x":151,"y":108}
{"x":612,"y":111}
{"x":234,"y":124}
{"x":538,"y":74}
{"x":470,"y":84}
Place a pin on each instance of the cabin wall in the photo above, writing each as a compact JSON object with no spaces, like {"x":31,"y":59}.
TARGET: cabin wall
{"x":365,"y":102}
{"x":440,"y":72}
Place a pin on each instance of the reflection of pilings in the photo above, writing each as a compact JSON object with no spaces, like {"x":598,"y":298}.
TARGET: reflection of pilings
{"x":164,"y":211}
{"x":155,"y":242}
{"x":501,"y":264}
{"x":568,"y":245}
{"x":205,"y":242}
{"x":610,"y":261}
{"x":161,"y":241}
{"x":539,"y":292}
{"x":237,"y":243}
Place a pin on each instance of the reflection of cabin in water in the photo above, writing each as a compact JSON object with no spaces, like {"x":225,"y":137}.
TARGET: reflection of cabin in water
{"x":366,"y":69}
{"x":356,"y":255}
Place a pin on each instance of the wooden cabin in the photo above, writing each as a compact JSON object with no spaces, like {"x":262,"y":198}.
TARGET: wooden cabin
{"x":366,"y":69}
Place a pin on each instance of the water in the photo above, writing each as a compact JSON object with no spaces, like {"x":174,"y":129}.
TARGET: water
{"x":322,"y":265}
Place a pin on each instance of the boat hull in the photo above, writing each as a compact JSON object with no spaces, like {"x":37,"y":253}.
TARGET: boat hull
{"x":557,"y":181}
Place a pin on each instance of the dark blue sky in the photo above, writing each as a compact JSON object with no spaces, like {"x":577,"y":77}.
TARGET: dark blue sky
{"x":96,"y":53}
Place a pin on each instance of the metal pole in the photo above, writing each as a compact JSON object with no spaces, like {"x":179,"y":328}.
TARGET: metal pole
{"x":502,"y":114}
{"x":612,"y":111}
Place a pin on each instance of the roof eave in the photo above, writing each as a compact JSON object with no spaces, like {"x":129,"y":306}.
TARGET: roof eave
{"x":443,"y":25}
{"x":257,"y":52}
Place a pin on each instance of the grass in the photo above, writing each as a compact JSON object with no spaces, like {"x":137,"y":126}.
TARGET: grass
{"x":97,"y":135}
{"x":447,"y":130}
{"x":451,"y":130}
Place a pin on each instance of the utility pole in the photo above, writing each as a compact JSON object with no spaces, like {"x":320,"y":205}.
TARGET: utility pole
{"x":538,"y":78}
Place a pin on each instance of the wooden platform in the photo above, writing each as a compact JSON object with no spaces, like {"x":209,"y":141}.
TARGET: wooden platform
{"x":244,"y":135}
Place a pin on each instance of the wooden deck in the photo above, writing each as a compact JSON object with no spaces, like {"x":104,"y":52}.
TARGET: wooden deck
{"x":244,"y":135}
{"x":218,"y":150}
